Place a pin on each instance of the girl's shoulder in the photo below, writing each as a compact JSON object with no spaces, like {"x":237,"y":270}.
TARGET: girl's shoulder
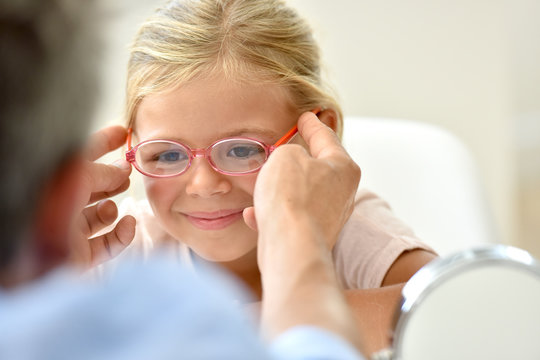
{"x":370,"y":242}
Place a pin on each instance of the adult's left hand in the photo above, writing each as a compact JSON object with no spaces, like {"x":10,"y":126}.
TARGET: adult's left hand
{"x":99,"y":182}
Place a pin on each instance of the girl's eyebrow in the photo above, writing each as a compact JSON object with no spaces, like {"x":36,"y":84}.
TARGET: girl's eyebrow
{"x":257,"y":131}
{"x":267,"y":133}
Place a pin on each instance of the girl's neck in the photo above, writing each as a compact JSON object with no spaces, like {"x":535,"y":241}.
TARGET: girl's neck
{"x":244,"y":268}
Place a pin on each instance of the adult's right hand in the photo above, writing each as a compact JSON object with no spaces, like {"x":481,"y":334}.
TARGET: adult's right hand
{"x":99,"y":182}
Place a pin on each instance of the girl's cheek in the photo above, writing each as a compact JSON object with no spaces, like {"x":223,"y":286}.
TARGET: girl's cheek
{"x":247,"y":183}
{"x":160,"y":191}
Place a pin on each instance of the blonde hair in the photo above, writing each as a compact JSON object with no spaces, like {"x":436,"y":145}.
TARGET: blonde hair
{"x":242,"y":39}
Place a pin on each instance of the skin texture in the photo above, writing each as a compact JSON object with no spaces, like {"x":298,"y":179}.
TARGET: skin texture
{"x":98,"y":183}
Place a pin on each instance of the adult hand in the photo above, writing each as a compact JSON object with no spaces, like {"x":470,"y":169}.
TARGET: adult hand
{"x":320,"y":184}
{"x":99,"y":182}
{"x":301,"y":202}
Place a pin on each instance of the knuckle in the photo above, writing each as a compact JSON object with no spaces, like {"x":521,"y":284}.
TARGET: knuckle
{"x":290,"y":152}
{"x":356,"y":170}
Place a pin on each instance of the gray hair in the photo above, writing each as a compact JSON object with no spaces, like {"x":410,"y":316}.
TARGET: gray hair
{"x":47,"y":92}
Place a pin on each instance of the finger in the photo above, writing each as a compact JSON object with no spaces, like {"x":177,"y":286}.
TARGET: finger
{"x":99,"y":216}
{"x":106,"y":179}
{"x":322,"y":140}
{"x":111,"y":244}
{"x":105,"y":140}
{"x":249,"y":217}
{"x":107,"y":194}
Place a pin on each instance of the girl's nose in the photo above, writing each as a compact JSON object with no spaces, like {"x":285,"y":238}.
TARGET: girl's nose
{"x":204,"y":181}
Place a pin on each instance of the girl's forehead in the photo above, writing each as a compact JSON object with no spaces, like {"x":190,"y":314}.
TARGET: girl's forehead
{"x":220,"y":90}
{"x":209,"y":109}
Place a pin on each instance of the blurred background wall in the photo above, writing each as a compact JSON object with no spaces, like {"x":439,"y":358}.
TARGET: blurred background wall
{"x":469,"y":66}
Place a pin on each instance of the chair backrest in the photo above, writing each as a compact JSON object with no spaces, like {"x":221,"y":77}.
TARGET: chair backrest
{"x":426,"y":175}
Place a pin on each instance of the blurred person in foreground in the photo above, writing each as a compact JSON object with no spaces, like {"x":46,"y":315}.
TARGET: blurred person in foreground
{"x":54,"y":201}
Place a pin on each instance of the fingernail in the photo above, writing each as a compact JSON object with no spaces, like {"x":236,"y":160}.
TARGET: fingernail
{"x":122,"y":164}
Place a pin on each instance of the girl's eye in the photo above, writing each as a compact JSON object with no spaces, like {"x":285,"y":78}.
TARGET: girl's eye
{"x":244,"y":151}
{"x":170,"y":156}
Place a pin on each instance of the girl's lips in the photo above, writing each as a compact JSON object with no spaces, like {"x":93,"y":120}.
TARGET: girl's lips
{"x":214,"y":220}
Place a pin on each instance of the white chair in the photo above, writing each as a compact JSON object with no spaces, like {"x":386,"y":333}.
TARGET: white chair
{"x":426,"y":175}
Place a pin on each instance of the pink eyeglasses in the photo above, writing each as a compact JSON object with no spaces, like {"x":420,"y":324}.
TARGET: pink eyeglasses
{"x":231,"y":156}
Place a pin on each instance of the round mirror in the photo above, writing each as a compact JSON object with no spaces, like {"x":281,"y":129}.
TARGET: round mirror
{"x":477,"y":304}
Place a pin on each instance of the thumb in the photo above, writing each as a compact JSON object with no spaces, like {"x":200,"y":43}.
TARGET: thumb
{"x":321,"y":139}
{"x":106,"y":178}
{"x":249,"y":217}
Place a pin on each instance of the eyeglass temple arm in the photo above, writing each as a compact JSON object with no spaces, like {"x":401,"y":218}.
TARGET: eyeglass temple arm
{"x":128,"y":139}
{"x":293,"y":131}
{"x":129,"y":154}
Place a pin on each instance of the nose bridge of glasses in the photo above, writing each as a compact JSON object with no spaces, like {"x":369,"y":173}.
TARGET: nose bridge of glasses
{"x":206,"y":154}
{"x":200,"y":152}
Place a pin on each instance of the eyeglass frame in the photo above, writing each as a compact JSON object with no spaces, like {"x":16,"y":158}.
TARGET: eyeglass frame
{"x":205,"y":152}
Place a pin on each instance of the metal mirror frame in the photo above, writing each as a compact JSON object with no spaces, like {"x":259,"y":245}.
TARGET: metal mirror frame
{"x":436,"y":272}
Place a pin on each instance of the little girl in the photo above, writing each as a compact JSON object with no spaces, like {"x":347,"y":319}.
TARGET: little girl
{"x":213,"y":86}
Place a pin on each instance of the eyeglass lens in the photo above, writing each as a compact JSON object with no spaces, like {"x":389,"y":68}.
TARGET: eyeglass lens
{"x":164,"y":158}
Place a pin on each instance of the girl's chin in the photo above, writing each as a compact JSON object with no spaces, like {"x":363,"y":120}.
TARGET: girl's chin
{"x":222,"y":257}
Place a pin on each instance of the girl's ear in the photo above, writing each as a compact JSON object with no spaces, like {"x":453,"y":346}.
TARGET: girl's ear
{"x":329,"y":118}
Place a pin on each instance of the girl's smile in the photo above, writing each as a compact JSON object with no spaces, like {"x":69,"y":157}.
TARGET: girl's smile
{"x":215,"y":220}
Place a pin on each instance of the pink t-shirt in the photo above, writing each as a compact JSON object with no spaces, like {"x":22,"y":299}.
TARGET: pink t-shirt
{"x":368,"y":245}
{"x":370,"y":242}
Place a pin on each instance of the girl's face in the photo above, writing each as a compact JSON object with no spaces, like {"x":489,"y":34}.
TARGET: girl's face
{"x":202,"y":207}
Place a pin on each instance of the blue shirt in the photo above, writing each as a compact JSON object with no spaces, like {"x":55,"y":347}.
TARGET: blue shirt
{"x":153,"y":311}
